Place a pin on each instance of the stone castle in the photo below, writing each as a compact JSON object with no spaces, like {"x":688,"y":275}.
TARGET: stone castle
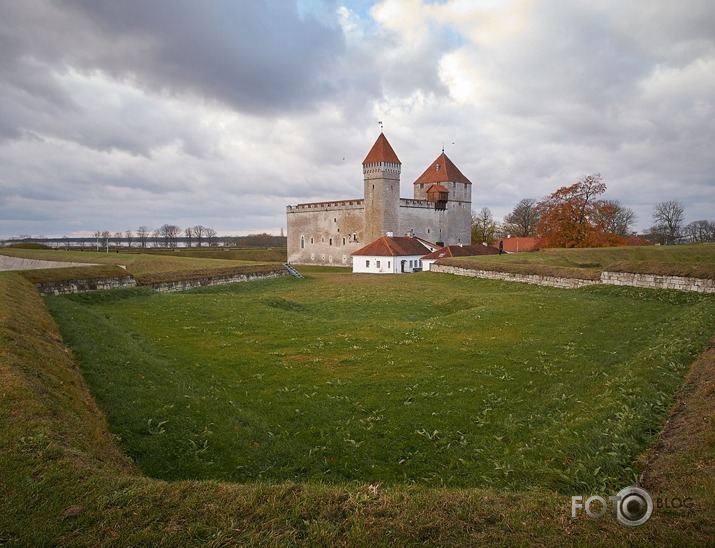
{"x":327,"y":233}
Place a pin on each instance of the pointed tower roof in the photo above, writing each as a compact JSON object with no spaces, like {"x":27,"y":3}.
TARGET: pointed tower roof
{"x":442,"y":170}
{"x":381,"y":151}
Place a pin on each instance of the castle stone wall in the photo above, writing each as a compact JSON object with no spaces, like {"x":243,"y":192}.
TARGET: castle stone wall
{"x":327,"y":234}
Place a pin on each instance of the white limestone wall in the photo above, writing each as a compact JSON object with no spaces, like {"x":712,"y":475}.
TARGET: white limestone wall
{"x":366,"y":264}
{"x":654,"y":281}
{"x":551,"y":281}
{"x":651,"y":281}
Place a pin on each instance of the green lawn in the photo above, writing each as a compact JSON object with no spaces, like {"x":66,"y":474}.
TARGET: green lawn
{"x":694,"y":260}
{"x":426,"y":379}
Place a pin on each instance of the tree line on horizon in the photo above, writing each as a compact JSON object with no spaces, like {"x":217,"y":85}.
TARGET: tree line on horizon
{"x":166,"y":236}
{"x":576,"y":216}
{"x":170,"y":236}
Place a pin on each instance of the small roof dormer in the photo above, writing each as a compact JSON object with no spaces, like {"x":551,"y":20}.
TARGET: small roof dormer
{"x":381,"y":152}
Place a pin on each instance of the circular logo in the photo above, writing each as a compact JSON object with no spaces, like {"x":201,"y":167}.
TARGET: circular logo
{"x":634,"y":506}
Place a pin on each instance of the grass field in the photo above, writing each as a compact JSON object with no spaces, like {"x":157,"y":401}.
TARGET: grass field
{"x":696,"y":260}
{"x":65,"y":481}
{"x":427,"y":379}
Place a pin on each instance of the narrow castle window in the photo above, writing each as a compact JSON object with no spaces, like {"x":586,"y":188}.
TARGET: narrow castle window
{"x":302,"y":242}
{"x":330,"y":242}
{"x":343,"y":241}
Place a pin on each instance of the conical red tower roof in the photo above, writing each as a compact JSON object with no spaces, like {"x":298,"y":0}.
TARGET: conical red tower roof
{"x":381,"y":151}
{"x":442,"y":170}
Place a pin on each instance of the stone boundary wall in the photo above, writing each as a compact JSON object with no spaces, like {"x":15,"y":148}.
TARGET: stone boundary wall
{"x":79,"y":286}
{"x":183,"y":285}
{"x":652,"y":281}
{"x":552,"y":281}
{"x":680,"y":283}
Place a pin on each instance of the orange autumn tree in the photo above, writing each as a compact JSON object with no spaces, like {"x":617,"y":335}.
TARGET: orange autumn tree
{"x":574,"y":217}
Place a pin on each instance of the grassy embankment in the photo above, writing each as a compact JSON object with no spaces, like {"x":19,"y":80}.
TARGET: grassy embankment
{"x":696,"y":261}
{"x":64,"y":480}
{"x":149,"y":268}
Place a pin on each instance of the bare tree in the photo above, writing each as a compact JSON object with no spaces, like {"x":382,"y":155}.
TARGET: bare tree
{"x":484,"y":228}
{"x":700,"y":231}
{"x":156,"y":237}
{"x":199,"y":234}
{"x":97,"y":234}
{"x":170,"y":234}
{"x":143,"y":233}
{"x":211,"y":236}
{"x":616,"y":218}
{"x":106,"y":235}
{"x":523,"y":219}
{"x":667,"y":221}
{"x":188,"y":233}
{"x":129,"y":235}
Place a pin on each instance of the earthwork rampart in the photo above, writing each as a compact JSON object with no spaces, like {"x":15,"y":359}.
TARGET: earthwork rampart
{"x":653,"y":281}
{"x":65,"y":287}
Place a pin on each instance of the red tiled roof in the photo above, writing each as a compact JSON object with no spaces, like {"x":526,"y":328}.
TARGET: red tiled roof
{"x":381,"y":151}
{"x":442,"y":170}
{"x":512,"y":245}
{"x":392,"y":246}
{"x":462,"y":251}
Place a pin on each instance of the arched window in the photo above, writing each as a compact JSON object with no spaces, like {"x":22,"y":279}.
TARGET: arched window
{"x":302,"y":242}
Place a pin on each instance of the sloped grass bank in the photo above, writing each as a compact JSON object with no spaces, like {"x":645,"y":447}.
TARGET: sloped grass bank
{"x":695,"y":261}
{"x":64,"y":482}
{"x":144,"y":267}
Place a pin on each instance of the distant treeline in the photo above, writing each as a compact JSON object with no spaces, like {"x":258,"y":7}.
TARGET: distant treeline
{"x":104,"y":241}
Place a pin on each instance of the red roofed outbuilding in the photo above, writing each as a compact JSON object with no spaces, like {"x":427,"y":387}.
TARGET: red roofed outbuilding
{"x":519,"y":244}
{"x":457,"y":251}
{"x":391,"y":255}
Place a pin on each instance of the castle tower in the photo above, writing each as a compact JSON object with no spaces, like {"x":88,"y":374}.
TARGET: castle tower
{"x":440,"y":177}
{"x":381,"y":173}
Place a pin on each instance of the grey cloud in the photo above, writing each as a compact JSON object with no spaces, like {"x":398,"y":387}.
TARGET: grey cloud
{"x":252,"y":56}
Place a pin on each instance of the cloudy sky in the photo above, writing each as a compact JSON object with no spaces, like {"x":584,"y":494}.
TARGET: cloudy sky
{"x":116,"y":114}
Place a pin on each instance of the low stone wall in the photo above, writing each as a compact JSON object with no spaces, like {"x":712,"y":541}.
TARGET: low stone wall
{"x":680,"y":283}
{"x":652,"y":281}
{"x":79,"y":286}
{"x":552,"y":281}
{"x":183,"y":285}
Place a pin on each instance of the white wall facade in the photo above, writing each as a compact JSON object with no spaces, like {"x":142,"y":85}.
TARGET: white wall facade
{"x":373,"y":264}
{"x":427,"y":264}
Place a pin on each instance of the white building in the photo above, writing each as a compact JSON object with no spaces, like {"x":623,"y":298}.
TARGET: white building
{"x":391,"y":255}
